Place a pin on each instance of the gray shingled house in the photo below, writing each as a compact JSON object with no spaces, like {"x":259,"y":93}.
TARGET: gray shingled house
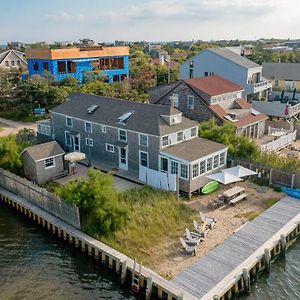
{"x":123,"y":135}
{"x":43,"y":162}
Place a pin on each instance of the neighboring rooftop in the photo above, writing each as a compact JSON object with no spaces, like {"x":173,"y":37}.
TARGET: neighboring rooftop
{"x":43,"y":151}
{"x":193,"y":149}
{"x":6,"y":53}
{"x":213,"y":85}
{"x":146,"y":117}
{"x":232,"y":56}
{"x":281,"y":71}
{"x":75,"y":52}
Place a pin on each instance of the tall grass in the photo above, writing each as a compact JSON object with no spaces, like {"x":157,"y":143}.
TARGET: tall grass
{"x":155,"y":216}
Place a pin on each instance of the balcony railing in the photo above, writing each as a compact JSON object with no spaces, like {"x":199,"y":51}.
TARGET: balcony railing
{"x":279,"y":143}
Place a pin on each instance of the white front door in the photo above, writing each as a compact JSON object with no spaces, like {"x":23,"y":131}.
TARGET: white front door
{"x":76,"y":143}
{"x":123,"y":158}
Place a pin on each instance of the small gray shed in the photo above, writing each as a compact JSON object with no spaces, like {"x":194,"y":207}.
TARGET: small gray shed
{"x":43,"y":162}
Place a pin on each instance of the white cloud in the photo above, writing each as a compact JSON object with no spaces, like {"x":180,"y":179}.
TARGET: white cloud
{"x":65,"y":17}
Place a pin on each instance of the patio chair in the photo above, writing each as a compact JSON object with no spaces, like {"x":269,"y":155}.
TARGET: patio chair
{"x":187,"y":248}
{"x":208,"y":221}
{"x":192,"y":238}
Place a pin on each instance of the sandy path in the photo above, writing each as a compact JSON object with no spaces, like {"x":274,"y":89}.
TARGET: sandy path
{"x":12,"y":127}
{"x":168,"y":259}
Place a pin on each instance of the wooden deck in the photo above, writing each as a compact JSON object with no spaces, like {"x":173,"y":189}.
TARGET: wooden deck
{"x":216,"y":272}
{"x":171,"y":289}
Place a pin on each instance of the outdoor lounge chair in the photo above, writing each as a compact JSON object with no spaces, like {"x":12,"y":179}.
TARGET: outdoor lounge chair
{"x":187,"y":248}
{"x":208,"y":221}
{"x":200,"y":229}
{"x":192,"y":238}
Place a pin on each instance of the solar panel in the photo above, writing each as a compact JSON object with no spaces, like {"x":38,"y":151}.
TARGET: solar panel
{"x":92,"y":108}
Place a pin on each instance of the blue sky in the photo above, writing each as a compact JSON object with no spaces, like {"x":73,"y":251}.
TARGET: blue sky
{"x":109,"y":20}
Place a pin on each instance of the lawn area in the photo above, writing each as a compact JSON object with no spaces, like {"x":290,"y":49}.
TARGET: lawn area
{"x":154,"y":218}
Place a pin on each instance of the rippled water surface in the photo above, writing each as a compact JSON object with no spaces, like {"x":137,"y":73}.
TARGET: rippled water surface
{"x":35,"y":265}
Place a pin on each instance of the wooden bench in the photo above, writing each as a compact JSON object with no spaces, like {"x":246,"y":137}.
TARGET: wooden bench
{"x":238,"y":199}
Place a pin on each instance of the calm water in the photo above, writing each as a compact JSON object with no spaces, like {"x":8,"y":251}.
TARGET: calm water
{"x":35,"y":265}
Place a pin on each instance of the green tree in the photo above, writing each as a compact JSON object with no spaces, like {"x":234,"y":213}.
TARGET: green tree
{"x":102,"y":210}
{"x":10,"y":154}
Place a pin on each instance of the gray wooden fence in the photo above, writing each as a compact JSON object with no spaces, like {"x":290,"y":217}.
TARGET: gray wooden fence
{"x":40,"y":197}
{"x":274,"y":176}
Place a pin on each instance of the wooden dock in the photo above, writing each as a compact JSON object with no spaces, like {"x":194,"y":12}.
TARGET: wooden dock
{"x":229,"y":268}
{"x":150,"y":284}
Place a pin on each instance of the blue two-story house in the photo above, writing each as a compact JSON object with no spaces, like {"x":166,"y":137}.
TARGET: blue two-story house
{"x":109,"y":62}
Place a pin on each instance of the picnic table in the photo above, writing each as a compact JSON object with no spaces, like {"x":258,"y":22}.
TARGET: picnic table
{"x":233,"y":192}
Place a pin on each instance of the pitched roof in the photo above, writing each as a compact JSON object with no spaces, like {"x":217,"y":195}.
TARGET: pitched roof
{"x":282,"y":71}
{"x":219,"y":110}
{"x":213,"y":85}
{"x":146,"y":118}
{"x":234,"y":57}
{"x":5,"y":54}
{"x":193,"y":149}
{"x":249,"y":119}
{"x":43,"y":151}
{"x":242,"y":103}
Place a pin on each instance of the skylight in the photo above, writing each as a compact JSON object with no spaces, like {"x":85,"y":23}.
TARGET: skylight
{"x":125,"y":117}
{"x":92,"y":108}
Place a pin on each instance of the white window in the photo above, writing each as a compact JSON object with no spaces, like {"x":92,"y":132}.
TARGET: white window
{"x":69,"y":122}
{"x":184,"y":171}
{"x":180,"y":136}
{"x":89,"y":142}
{"x":202,"y":167}
{"x":164,"y":164}
{"x":67,"y":138}
{"x":144,"y":159}
{"x":88,"y":127}
{"x":110,"y":148}
{"x":216,"y":161}
{"x":143,"y":140}
{"x":44,"y":129}
{"x":190,"y":102}
{"x":176,"y":100}
{"x":103,"y":128}
{"x":165,"y":141}
{"x":174,"y":167}
{"x":193,"y":132}
{"x":195,"y":170}
{"x":209,"y":164}
{"x":49,"y":163}
{"x":222,"y":159}
{"x":122,"y":135}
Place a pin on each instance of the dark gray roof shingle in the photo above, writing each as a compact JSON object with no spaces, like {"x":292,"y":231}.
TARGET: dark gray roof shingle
{"x":146,"y":117}
{"x":43,"y":151}
{"x":193,"y":149}
{"x":236,"y":58}
{"x":281,"y":71}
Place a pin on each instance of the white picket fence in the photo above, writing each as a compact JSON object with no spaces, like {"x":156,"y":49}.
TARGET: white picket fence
{"x":159,"y":180}
{"x":279,"y":143}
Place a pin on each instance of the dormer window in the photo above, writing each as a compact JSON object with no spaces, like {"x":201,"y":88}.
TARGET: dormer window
{"x":180,"y":136}
{"x":165,"y":141}
{"x":193,"y":132}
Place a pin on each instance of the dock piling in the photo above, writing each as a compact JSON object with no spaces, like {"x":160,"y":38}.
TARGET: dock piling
{"x":246,"y":277}
{"x":283,"y":244}
{"x":267,"y":257}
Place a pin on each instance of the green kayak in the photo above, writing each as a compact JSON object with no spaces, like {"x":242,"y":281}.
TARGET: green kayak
{"x":210,"y":187}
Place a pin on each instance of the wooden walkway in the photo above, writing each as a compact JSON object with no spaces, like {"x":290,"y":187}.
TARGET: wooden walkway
{"x":212,"y":275}
{"x":171,"y":289}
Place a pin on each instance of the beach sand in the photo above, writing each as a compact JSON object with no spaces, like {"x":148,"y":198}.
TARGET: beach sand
{"x":168,"y":259}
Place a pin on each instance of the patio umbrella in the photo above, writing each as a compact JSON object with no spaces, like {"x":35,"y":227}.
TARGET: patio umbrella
{"x":239,"y":171}
{"x":75,"y":156}
{"x":224,"y":178}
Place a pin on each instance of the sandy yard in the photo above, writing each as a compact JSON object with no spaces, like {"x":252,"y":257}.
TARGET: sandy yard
{"x":296,"y":145}
{"x":8,"y":127}
{"x":168,"y":259}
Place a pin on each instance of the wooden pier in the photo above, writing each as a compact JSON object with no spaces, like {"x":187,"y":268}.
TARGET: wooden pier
{"x":229,"y":269}
{"x":150,"y":284}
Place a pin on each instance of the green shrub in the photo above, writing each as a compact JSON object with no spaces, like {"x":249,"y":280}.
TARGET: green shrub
{"x":262,"y":181}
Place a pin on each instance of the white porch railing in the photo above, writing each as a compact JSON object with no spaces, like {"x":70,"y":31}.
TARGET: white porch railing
{"x":279,"y":143}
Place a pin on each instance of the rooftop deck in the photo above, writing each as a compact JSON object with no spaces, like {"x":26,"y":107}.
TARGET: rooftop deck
{"x":214,"y":273}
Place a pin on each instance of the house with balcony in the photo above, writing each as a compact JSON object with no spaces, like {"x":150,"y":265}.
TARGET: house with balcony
{"x":109,"y":62}
{"x":124,"y":137}
{"x":203,"y":98}
{"x":231,"y":66}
